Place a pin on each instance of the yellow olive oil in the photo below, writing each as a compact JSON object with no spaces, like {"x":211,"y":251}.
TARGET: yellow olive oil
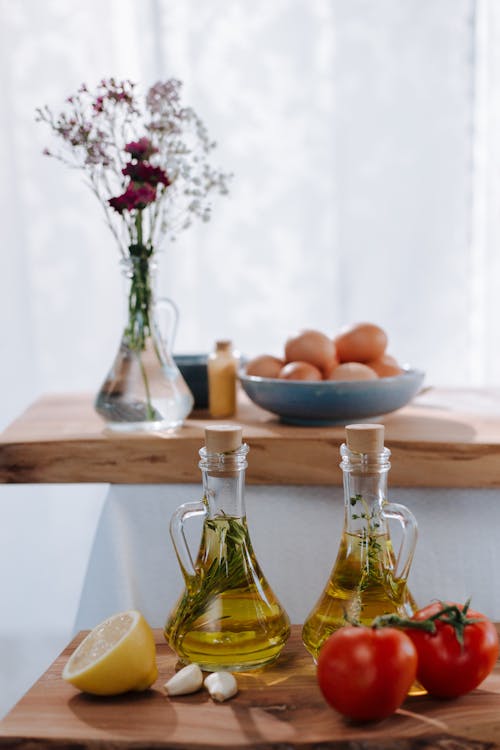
{"x":361,"y":587}
{"x":368,"y":579}
{"x":228,"y":617}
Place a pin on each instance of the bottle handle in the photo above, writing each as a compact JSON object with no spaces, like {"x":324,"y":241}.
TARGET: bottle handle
{"x":408,"y":522}
{"x":168,"y":317}
{"x":181,"y":515}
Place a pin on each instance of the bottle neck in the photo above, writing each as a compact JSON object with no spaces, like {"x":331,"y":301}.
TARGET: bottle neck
{"x":224,"y":482}
{"x":365,"y":489}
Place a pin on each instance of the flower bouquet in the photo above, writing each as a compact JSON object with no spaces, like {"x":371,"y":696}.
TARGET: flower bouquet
{"x":147,"y":161}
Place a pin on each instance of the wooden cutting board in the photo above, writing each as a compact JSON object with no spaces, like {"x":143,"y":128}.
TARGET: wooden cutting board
{"x":280,"y":708}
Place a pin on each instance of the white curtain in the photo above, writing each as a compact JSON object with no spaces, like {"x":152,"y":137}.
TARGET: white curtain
{"x":485,"y":197}
{"x":354,"y":135}
{"x":364,"y":140}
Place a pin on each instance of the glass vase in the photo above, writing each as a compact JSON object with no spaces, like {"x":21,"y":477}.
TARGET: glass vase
{"x":144,"y":390}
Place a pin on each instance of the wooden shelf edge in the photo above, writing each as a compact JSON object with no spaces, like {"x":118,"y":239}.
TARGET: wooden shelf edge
{"x":59,"y":439}
{"x":295,"y":462}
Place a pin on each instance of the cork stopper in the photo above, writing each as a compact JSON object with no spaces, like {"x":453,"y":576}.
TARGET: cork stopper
{"x":365,"y":438}
{"x":223,"y":438}
{"x":223,"y":345}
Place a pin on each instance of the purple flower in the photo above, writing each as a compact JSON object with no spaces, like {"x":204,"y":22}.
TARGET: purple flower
{"x":142,"y":195}
{"x":98,"y":105}
{"x":120,"y":203}
{"x":120,"y":138}
{"x":135,"y":196}
{"x":141,"y":149}
{"x":144,"y":172}
{"x":97,"y":154}
{"x":117,"y":91}
{"x":163,"y":94}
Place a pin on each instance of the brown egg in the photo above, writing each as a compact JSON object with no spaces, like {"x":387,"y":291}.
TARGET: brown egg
{"x":361,"y":343}
{"x":300,"y":371}
{"x":328,"y":375}
{"x":265,"y":366}
{"x":385,"y":366}
{"x":353,"y":371}
{"x":313,"y":347}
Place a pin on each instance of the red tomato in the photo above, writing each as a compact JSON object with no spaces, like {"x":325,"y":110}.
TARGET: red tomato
{"x":365,"y":673}
{"x":445,"y":667}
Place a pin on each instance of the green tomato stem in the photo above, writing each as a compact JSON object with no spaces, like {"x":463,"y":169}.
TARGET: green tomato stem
{"x":450,"y":614}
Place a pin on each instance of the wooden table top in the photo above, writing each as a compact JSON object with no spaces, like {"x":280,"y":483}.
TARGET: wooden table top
{"x":444,"y":438}
{"x":280,"y":707}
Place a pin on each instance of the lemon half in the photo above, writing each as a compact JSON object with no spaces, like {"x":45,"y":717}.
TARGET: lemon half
{"x":116,"y":656}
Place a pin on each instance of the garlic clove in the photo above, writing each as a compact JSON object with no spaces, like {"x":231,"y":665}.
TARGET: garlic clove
{"x":185,"y":681}
{"x":221,"y":685}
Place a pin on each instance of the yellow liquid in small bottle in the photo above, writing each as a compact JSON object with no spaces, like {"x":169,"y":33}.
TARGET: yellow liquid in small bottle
{"x":230,"y":619}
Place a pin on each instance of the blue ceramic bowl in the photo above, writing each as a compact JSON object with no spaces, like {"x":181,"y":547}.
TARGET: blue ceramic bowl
{"x":330,"y":402}
{"x":193,"y":369}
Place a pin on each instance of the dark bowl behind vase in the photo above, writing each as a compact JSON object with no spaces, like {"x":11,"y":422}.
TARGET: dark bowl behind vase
{"x":193,"y":368}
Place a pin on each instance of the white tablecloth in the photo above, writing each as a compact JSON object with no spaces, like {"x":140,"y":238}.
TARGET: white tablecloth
{"x":295,"y":532}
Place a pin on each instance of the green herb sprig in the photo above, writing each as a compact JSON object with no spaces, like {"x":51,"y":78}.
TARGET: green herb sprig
{"x":226,"y":541}
{"x":374,"y":571}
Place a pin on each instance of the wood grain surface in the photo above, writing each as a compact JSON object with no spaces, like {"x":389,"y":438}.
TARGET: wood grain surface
{"x":445,"y":438}
{"x":280,"y":708}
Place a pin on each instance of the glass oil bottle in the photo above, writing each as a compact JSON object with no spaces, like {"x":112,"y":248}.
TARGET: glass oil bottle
{"x":227,"y":617}
{"x":368,"y":577}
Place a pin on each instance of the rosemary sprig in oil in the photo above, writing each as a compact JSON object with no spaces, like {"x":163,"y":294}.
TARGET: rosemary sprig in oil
{"x":221,"y":566}
{"x":376,"y":571}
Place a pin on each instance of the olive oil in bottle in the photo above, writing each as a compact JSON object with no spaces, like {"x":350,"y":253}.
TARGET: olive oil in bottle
{"x":227,"y":616}
{"x":368,"y":579}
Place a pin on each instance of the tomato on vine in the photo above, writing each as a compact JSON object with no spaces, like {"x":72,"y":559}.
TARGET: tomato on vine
{"x":365,"y":673}
{"x":459,"y":654}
